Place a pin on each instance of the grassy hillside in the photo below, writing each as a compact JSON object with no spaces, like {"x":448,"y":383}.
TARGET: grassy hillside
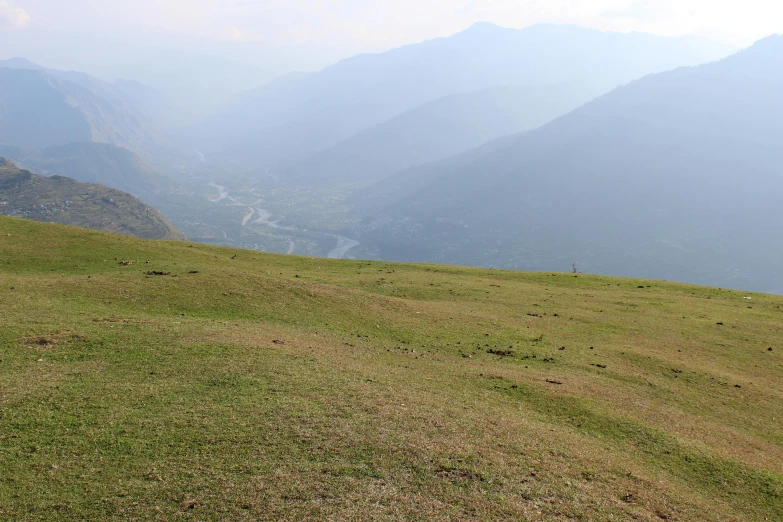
{"x":63,"y":200}
{"x":149,"y":380}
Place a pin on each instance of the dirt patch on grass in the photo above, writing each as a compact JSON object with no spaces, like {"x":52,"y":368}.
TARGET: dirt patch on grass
{"x":40,"y":341}
{"x":49,"y":341}
{"x":501,"y":353}
{"x":458,"y":474}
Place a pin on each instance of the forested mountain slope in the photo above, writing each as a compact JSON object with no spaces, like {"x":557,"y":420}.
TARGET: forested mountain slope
{"x":674,"y":176}
{"x":62,"y":200}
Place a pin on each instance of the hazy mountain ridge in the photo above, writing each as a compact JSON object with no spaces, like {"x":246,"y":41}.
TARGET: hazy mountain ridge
{"x":304,"y":114}
{"x":434,"y":131}
{"x":42,"y":109}
{"x":672,"y":176}
{"x":129,"y":95}
{"x":46,"y":107}
{"x":91,"y":162}
{"x":21,"y":63}
{"x":65,"y":201}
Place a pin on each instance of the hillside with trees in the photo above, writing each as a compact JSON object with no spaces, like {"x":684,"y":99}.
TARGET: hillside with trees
{"x":62,"y":200}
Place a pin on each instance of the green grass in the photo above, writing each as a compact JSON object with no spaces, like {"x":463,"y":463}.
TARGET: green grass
{"x":272,"y":387}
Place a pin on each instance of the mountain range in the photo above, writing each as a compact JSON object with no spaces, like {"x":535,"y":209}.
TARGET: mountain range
{"x":434,"y":131}
{"x":128,"y":94}
{"x":674,"y":176}
{"x":41,"y":109}
{"x":301,"y":114}
{"x":44,"y":107}
{"x":483,"y":148}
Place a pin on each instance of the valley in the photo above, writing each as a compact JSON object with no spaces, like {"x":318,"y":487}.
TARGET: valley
{"x":473,"y":160}
{"x":265,"y":217}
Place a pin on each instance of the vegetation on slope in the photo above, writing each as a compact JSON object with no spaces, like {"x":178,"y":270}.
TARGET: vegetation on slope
{"x":673,"y":176}
{"x":143,"y":380}
{"x":63,"y":200}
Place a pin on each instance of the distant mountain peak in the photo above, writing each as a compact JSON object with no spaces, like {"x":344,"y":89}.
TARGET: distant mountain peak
{"x":480,"y":31}
{"x":772,"y":42}
{"x":20,"y":63}
{"x":766,"y":53}
{"x":489,"y":28}
{"x":484,"y":26}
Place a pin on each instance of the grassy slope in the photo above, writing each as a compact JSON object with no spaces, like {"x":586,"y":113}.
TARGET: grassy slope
{"x":127,"y":396}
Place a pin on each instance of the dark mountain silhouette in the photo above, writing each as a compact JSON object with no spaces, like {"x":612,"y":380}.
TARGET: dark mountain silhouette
{"x":306,"y":113}
{"x":676,"y":176}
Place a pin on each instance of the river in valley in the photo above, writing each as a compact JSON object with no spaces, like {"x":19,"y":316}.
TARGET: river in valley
{"x":261,"y":216}
{"x":344,"y":244}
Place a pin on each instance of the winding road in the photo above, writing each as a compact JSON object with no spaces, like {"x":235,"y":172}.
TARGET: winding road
{"x":248,"y":216}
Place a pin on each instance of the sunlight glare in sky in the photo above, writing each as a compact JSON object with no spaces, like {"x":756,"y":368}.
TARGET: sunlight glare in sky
{"x":379,"y":23}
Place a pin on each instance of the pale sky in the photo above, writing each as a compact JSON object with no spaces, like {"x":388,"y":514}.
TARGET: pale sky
{"x":212,"y":49}
{"x":374,"y":24}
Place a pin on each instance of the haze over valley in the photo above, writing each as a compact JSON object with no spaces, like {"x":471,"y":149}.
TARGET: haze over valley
{"x":318,"y":151}
{"x":533,"y":149}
